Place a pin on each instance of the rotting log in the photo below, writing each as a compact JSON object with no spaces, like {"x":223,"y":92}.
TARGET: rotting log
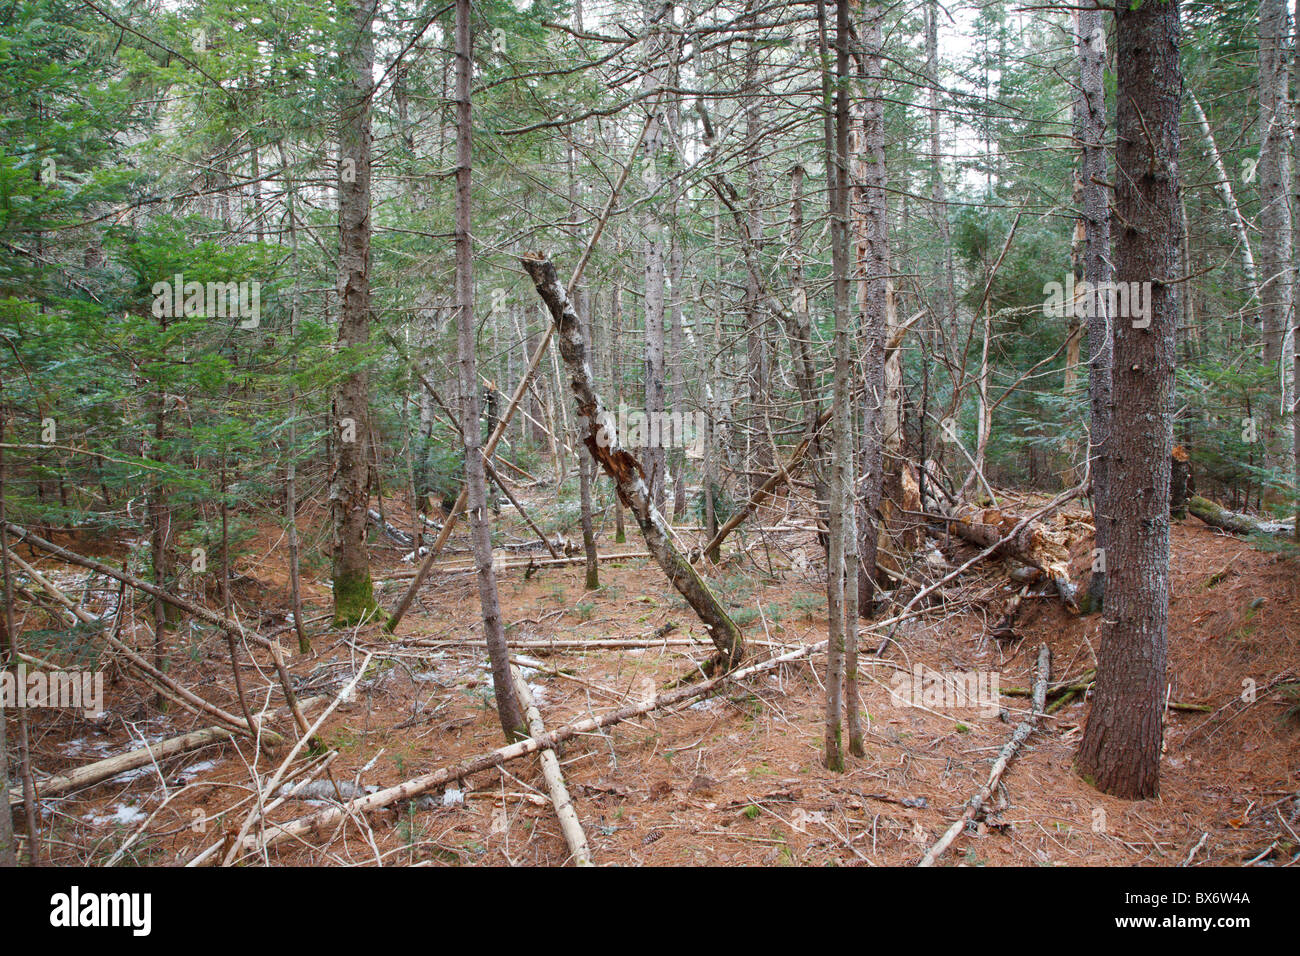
{"x":1034,"y":544}
{"x":602,"y":440}
{"x":1234,"y":521}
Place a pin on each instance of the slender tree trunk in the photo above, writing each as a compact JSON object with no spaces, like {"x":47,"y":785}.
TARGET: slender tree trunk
{"x":1120,"y":752}
{"x":291,"y":464}
{"x":658,"y":23}
{"x":616,"y":375}
{"x":758,"y":458}
{"x":509,"y":712}
{"x":1090,"y":129}
{"x":159,"y":540}
{"x":1274,"y":172}
{"x":1295,"y":272}
{"x":349,"y":494}
{"x":873,"y":304}
{"x":947,"y":319}
{"x":835,"y":131}
{"x":585,"y":470}
{"x":8,"y":845}
{"x":1224,"y":183}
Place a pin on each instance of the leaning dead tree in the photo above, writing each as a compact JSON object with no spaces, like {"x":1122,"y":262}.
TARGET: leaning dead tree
{"x":601,"y":438}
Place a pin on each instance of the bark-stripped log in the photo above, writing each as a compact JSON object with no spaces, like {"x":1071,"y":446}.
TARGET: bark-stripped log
{"x":93,"y":773}
{"x":570,"y":826}
{"x":601,"y":438}
{"x":331,"y":816}
{"x":1013,"y":745}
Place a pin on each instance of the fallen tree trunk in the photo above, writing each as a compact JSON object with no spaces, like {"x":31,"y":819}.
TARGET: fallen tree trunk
{"x":110,"y":767}
{"x":1033,"y":544}
{"x":1013,"y":745}
{"x":570,"y":826}
{"x":521,"y":563}
{"x":571,"y":644}
{"x":296,"y":829}
{"x":602,"y":441}
{"x":396,"y":534}
{"x":1223,"y":519}
{"x":1067,"y":495}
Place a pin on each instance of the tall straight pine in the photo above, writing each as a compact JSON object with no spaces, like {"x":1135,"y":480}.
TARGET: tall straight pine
{"x":1120,"y":752}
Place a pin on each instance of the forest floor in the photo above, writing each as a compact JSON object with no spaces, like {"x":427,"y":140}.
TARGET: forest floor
{"x":733,"y":779}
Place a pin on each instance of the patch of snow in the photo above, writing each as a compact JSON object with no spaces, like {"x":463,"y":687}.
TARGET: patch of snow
{"x":121,"y":814}
{"x":128,"y":775}
{"x":194,"y":769}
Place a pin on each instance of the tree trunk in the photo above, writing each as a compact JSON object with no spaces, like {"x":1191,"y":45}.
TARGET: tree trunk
{"x":8,"y":845}
{"x":599,"y":433}
{"x":1295,"y":276}
{"x":659,"y":22}
{"x":1090,"y":129}
{"x":616,"y":376}
{"x":508,"y":710}
{"x":1229,"y":197}
{"x":947,"y":311}
{"x":1274,"y":172}
{"x":840,"y":510}
{"x":873,"y":305}
{"x":1120,"y":752}
{"x":758,"y":456}
{"x":585,"y":474}
{"x":349,"y":494}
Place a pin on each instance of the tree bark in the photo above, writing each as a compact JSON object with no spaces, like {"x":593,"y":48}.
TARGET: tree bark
{"x":508,"y":710}
{"x":1274,"y":174}
{"x":1120,"y":752}
{"x":873,"y":304}
{"x":599,"y":433}
{"x":349,"y":492}
{"x":1090,"y":129}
